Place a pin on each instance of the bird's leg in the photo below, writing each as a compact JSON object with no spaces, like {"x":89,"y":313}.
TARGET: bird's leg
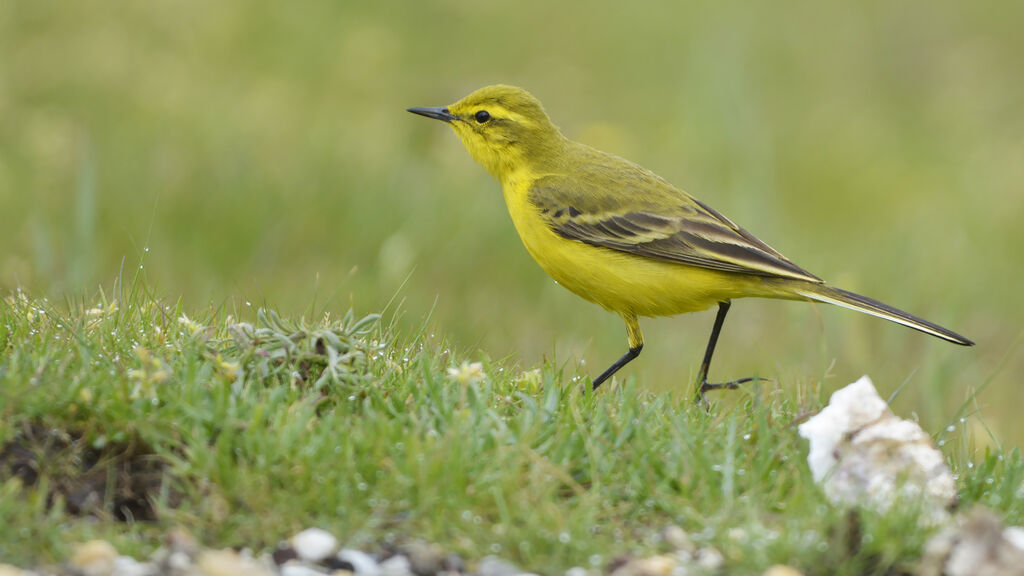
{"x":636,"y":344}
{"x":702,"y":377}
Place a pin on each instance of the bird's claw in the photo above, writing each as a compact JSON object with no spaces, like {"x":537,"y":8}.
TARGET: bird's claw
{"x":706,"y":386}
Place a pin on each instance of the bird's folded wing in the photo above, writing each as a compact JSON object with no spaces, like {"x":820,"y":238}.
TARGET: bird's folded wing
{"x":639,"y":213}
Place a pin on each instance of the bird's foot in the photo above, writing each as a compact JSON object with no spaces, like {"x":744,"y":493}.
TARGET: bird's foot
{"x":706,"y":386}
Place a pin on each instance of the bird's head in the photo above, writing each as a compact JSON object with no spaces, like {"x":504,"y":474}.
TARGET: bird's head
{"x":503,"y":127}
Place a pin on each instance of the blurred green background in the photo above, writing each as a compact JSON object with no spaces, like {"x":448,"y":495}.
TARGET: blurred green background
{"x":260,"y":152}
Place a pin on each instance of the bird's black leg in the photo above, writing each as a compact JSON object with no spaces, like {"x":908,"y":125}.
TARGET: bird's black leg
{"x":636,"y":344}
{"x":632,"y":353}
{"x":702,"y":377}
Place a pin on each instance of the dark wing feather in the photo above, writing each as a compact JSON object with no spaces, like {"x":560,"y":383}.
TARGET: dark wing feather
{"x":626,"y":208}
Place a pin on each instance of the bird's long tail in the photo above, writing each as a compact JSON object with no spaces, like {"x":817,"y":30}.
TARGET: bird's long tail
{"x":871,"y":306}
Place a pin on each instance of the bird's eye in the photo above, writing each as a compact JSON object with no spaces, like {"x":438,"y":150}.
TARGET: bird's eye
{"x":482,"y":116}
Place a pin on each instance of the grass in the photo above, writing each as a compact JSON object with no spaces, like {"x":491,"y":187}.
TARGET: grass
{"x":265,"y":154}
{"x":250,"y":426}
{"x":262,"y":154}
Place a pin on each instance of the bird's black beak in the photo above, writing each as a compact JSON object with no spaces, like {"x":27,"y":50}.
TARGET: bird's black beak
{"x":435,"y":113}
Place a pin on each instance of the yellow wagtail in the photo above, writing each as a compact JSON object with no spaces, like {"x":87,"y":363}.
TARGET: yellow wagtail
{"x":619,"y":235}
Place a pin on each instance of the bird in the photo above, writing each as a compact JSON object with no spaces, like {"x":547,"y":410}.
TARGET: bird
{"x":620,"y":236}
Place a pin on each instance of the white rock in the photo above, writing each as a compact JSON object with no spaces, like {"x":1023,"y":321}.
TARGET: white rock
{"x":94,"y":558}
{"x":979,"y":546}
{"x":179,"y":561}
{"x":678,"y":539}
{"x":577,"y":571}
{"x":227,"y":562}
{"x":314,"y":544}
{"x":397,"y":565}
{"x":296,"y":569}
{"x":652,"y":566}
{"x":362,"y":563}
{"x":863,"y":454}
{"x":128,"y":566}
{"x":1015,"y":536}
{"x":709,"y":559}
{"x":494,"y":566}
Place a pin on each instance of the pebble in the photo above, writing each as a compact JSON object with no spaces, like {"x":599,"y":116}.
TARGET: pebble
{"x":577,"y":571}
{"x":8,"y":570}
{"x":709,"y":559}
{"x":397,"y":565}
{"x":494,"y":566}
{"x":661,"y":565}
{"x":978,"y":544}
{"x":94,"y":558}
{"x":227,"y":562}
{"x":362,"y":563}
{"x":296,"y":569}
{"x":314,"y":544}
{"x":425,"y":559}
{"x":678,"y":539}
{"x":128,"y":566}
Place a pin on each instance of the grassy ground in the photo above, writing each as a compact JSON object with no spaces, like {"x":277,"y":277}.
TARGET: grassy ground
{"x":246,"y":426}
{"x":262,"y":153}
{"x":250,"y":154}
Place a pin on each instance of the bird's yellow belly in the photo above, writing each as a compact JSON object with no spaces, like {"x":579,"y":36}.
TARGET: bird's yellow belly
{"x":624,"y":282}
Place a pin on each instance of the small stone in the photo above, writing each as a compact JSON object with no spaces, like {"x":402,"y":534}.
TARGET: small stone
{"x":293,"y":568}
{"x":178,"y":561}
{"x":678,"y":539}
{"x":577,"y":571}
{"x":1015,"y":536}
{"x":228,"y":563}
{"x":362,"y":563}
{"x":454,"y":563}
{"x":494,"y":566}
{"x":709,"y":558}
{"x":782,"y":570}
{"x":979,"y":545}
{"x":652,"y":566}
{"x":425,"y":559}
{"x":94,"y":558}
{"x":397,"y":565}
{"x":314,"y":544}
{"x":8,"y":570}
{"x":128,"y":566}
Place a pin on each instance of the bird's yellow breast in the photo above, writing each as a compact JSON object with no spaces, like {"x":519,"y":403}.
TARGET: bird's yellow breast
{"x":618,"y":281}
